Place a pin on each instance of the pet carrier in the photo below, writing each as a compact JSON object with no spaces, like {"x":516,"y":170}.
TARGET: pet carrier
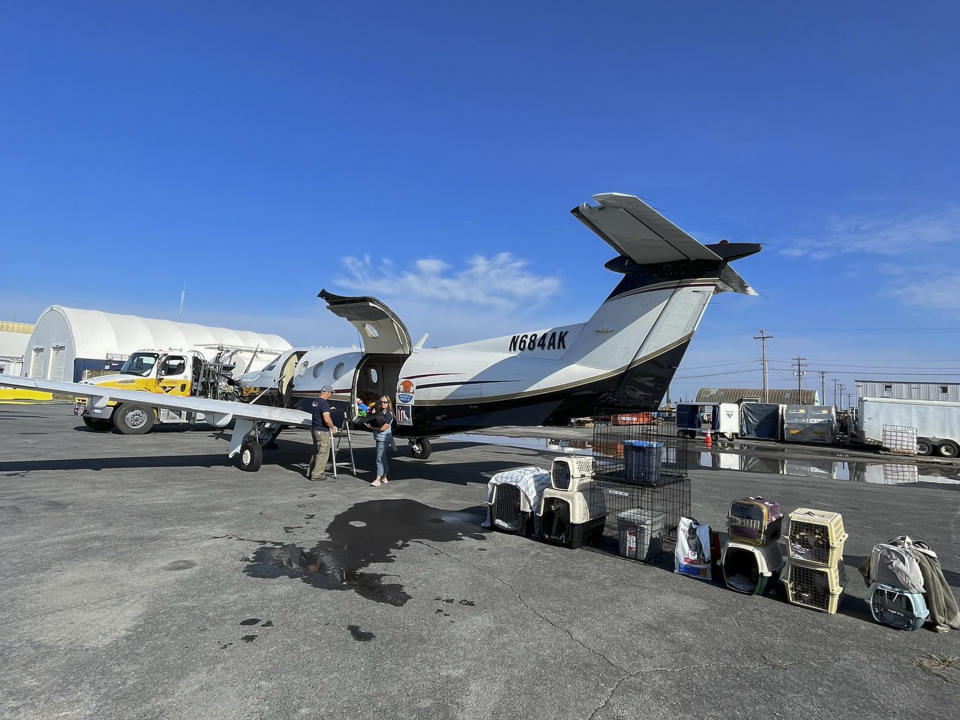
{"x":897,"y":607}
{"x":568,"y":471}
{"x":512,"y":497}
{"x":816,"y":536}
{"x":813,"y":586}
{"x":641,"y":460}
{"x":640,"y":533}
{"x":754,"y":520}
{"x":748,"y":569}
{"x":567,"y":518}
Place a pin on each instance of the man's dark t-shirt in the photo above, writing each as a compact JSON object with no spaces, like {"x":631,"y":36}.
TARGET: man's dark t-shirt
{"x":319,"y":407}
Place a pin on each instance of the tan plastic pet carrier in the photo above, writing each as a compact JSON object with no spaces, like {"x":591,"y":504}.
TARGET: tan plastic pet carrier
{"x":569,"y":471}
{"x":816,"y":536}
{"x":813,"y":586}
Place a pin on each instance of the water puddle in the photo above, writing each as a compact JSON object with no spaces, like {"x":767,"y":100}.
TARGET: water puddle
{"x":368,"y":533}
{"x":880,"y":472}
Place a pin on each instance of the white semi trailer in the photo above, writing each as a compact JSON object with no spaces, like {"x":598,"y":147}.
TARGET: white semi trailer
{"x":937,"y":423}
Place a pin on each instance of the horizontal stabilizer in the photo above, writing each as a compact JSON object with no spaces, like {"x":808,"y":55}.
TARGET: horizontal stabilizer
{"x":636,"y":230}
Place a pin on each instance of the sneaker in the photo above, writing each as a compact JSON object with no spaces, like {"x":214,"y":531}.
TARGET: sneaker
{"x":318,"y":479}
{"x":376,"y":483}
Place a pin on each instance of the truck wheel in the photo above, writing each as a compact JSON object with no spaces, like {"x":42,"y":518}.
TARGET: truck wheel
{"x":948,"y":449}
{"x":250,"y":456}
{"x":98,"y":425}
{"x":133,"y":418}
{"x":924,"y":447}
{"x":420,"y":448}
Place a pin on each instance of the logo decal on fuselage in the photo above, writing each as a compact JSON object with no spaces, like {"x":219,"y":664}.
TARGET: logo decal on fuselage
{"x":405,"y":392}
{"x":552,"y":340}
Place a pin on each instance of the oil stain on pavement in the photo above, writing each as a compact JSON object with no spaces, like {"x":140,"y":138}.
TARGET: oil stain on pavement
{"x":368,"y":533}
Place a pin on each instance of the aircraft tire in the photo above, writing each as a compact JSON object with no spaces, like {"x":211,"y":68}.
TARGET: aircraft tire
{"x":420,"y":448}
{"x":133,"y":418}
{"x":924,"y":446}
{"x":948,"y":449}
{"x":250,"y":456}
{"x":97,"y":425}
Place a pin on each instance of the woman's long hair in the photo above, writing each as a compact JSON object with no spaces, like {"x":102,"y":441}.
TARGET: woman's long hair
{"x":389,"y":403}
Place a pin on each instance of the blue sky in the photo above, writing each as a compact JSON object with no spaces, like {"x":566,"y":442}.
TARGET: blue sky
{"x":429,"y":154}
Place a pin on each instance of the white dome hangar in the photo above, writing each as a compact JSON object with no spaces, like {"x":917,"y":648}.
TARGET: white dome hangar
{"x":67,"y":341}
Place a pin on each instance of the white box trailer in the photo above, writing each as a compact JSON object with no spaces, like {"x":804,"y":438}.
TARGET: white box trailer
{"x":937,"y":423}
{"x":719,"y":418}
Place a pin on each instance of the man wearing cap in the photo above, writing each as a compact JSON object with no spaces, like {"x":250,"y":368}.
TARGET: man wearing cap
{"x":321,"y":428}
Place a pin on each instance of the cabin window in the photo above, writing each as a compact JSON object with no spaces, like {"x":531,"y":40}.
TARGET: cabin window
{"x":338,"y":371}
{"x":317,"y":368}
{"x":303,"y":368}
{"x":944,"y":389}
{"x":887,"y":390}
{"x":371,"y":330}
{"x":373,"y":375}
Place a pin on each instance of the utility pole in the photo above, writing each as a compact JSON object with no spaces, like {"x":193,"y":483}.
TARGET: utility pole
{"x":823,"y":387}
{"x":799,"y":372}
{"x":762,"y":337}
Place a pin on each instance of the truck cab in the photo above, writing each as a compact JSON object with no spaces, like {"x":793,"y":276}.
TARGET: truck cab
{"x":168,"y":372}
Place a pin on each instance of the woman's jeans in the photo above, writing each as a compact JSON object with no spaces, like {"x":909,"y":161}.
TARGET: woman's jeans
{"x":383,"y":461}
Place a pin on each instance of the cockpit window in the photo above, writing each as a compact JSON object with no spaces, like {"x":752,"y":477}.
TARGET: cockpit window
{"x":270,"y":367}
{"x":139,"y":364}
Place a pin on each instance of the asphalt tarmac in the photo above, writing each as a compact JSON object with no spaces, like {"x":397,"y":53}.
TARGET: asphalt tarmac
{"x":145,"y":577}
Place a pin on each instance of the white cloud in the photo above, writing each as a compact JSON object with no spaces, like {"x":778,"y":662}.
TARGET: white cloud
{"x":907,"y":253}
{"x":500,"y":282}
{"x":885,"y":237}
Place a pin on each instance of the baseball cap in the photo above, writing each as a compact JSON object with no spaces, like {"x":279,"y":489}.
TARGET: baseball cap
{"x":326,"y":388}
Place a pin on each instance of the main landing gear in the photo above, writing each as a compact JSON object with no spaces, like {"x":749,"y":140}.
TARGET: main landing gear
{"x":420,"y":448}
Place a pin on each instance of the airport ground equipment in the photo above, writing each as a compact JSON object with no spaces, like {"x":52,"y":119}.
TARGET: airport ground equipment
{"x":810,"y":424}
{"x":937,"y":423}
{"x":716,"y":418}
{"x":513,"y":496}
{"x":751,"y":569}
{"x":761,"y":421}
{"x":173,"y":373}
{"x":754,"y":521}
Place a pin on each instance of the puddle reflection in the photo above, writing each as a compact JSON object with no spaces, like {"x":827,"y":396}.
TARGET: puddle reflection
{"x":878,"y":473}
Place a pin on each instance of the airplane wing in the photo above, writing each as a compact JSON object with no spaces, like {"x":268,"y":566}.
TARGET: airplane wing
{"x":221,"y":410}
{"x":636,"y":230}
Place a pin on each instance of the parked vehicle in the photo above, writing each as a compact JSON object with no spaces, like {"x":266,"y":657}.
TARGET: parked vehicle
{"x":718,"y":418}
{"x":937,"y":423}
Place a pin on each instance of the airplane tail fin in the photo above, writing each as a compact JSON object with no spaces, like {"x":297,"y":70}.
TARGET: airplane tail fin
{"x":641,"y":331}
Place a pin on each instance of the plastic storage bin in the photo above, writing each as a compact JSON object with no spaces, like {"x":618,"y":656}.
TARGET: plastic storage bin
{"x":813,"y":586}
{"x":641,"y":533}
{"x":754,"y":520}
{"x":897,"y":607}
{"x":566,"y":473}
{"x":749,"y":569}
{"x":816,"y":536}
{"x":641,"y":460}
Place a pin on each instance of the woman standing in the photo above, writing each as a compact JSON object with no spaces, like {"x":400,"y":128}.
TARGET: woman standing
{"x":380,"y":420}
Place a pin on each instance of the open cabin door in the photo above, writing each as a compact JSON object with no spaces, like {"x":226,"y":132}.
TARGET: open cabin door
{"x":382,"y":331}
{"x":386,"y":346}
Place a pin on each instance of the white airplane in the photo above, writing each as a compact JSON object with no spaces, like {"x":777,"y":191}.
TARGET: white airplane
{"x":622,"y":358}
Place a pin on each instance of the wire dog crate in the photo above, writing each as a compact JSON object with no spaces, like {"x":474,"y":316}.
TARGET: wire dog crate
{"x":640,"y":467}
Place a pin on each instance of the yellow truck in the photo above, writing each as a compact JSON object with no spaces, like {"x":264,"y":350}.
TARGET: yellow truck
{"x":186,"y":373}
